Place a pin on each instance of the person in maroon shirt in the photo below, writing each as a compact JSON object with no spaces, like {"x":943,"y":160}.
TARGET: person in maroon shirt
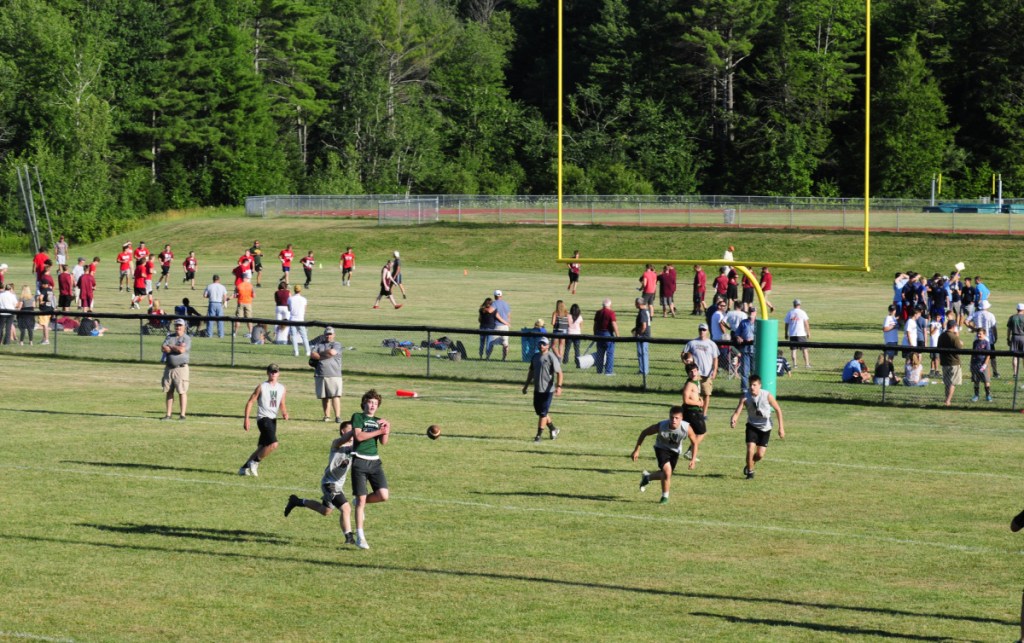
{"x":766,"y":287}
{"x":38,"y":263}
{"x":667,"y":290}
{"x":605,"y":325}
{"x":87,"y":289}
{"x":190,"y":265}
{"x":281,"y":312}
{"x":700,"y":288}
{"x":722,"y":284}
{"x":165,"y":256}
{"x":748,"y":291}
{"x":732,"y":292}
{"x":65,"y":288}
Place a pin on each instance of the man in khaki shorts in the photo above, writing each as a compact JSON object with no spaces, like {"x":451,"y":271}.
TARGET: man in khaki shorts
{"x":951,"y":373}
{"x":705,"y":354}
{"x":176,"y":349}
{"x":325,"y":357}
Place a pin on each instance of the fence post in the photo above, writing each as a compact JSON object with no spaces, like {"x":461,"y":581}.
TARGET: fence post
{"x":460,"y":210}
{"x":428,"y":353}
{"x":141,"y":324}
{"x":54,"y":331}
{"x":232,"y":345}
{"x":1016,"y":383}
{"x":885,"y":385}
{"x":791,"y":215}
{"x":897,"y":219}
{"x":640,"y":219}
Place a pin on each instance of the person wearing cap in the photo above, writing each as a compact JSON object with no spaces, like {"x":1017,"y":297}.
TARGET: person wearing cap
{"x":605,"y":325}
{"x":396,"y":271}
{"x":325,"y":357}
{"x":217,"y":295}
{"x":1015,"y":335}
{"x":798,"y":330}
{"x":176,"y":347}
{"x":984,"y":318}
{"x":503,"y":322}
{"x":705,"y":355}
{"x":124,"y":266}
{"x":269,"y":400}
{"x":980,"y":371}
{"x":546,"y":374}
{"x":951,"y":373}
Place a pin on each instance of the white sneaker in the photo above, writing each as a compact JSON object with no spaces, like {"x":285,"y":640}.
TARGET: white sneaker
{"x":243,"y":470}
{"x":254,"y":469}
{"x":361,"y":543}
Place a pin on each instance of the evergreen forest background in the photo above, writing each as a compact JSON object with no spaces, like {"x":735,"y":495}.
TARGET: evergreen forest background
{"x":135,"y":106}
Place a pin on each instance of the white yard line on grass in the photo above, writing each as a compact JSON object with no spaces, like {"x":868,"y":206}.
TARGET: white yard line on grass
{"x":34,"y":637}
{"x":564,"y":512}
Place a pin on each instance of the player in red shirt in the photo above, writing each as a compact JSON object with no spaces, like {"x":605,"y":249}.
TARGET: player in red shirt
{"x":165,"y":257}
{"x":38,"y":263}
{"x":766,"y":286}
{"x":87,"y":288}
{"x":700,"y":287}
{"x":142,"y":252}
{"x":65,"y":288}
{"x":286,"y":257}
{"x":245,"y":262}
{"x":124,"y":265}
{"x":139,"y":284}
{"x":308,"y":263}
{"x":190,"y":265}
{"x":347,"y":263}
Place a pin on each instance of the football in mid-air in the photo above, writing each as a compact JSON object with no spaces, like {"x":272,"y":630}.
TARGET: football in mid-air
{"x":433,"y":431}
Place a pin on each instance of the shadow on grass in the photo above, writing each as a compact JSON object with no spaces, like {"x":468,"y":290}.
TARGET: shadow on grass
{"x":547,"y":494}
{"x":568,"y":454}
{"x":195,"y":533}
{"x":589,"y":469}
{"x":50,"y":411}
{"x":830,"y":629}
{"x":249,"y":558}
{"x":148,"y":467}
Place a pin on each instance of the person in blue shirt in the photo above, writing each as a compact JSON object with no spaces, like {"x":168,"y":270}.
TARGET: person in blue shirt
{"x":855,"y":371}
{"x":744,"y":337}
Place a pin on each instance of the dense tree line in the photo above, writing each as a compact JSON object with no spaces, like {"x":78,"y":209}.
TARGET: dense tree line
{"x":132,"y":106}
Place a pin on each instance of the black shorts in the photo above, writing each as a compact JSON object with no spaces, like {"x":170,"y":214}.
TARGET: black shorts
{"x":664,"y":455}
{"x":141,"y":292}
{"x":190,"y":274}
{"x":268,"y":431}
{"x":332,"y":495}
{"x":346,"y":272}
{"x":367,"y":470}
{"x":730,"y":292}
{"x":573,"y":277}
{"x":748,"y":295}
{"x":694,"y":416}
{"x":649,"y":298}
{"x":1017,"y":344}
{"x":384,"y":292}
{"x":542,"y":403}
{"x":755,"y":436}
{"x":165,"y":270}
{"x":63,"y":301}
{"x":258,"y":267}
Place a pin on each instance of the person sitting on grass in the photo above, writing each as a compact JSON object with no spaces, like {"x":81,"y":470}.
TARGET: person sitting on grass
{"x":856,"y":371}
{"x":885,"y":374}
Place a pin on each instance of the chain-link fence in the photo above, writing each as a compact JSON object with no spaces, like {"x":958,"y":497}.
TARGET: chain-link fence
{"x":459,"y":354}
{"x":735,"y":211}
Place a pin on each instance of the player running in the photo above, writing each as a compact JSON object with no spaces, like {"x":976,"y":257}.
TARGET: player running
{"x":332,"y":484}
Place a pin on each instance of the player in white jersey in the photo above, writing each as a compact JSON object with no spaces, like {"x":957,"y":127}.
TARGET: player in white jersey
{"x":269,"y":398}
{"x":760,"y":404}
{"x":667,"y":447}
{"x":332,"y":483}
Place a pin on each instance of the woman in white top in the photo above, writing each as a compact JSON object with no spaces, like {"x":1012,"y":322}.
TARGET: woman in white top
{"x":912,"y":371}
{"x":575,"y":330}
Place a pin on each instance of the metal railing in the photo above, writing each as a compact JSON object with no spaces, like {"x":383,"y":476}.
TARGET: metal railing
{"x":413,"y":352}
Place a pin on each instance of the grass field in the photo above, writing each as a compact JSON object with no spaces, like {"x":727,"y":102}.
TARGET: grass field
{"x":867,"y":522}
